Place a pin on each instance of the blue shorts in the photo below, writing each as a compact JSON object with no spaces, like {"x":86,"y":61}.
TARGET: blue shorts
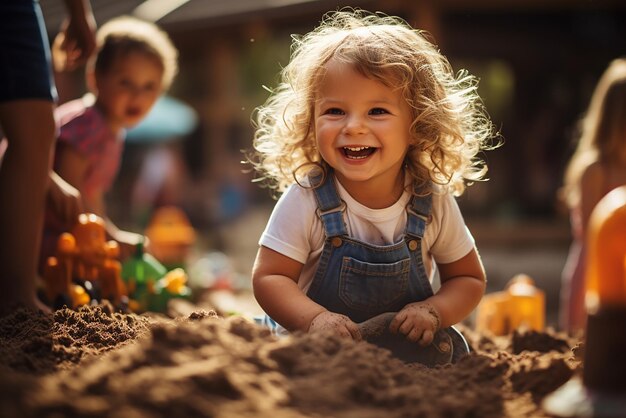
{"x":25,"y":71}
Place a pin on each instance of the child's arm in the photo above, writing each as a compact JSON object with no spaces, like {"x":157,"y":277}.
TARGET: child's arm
{"x":126,"y":240}
{"x":463,"y":284}
{"x":462,"y":287}
{"x":64,"y":200}
{"x":72,"y":166}
{"x":274,"y":280}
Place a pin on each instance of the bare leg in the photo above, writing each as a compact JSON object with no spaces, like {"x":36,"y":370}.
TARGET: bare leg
{"x":24,"y":174}
{"x":573,"y":314}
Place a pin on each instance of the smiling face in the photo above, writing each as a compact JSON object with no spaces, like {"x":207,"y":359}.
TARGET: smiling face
{"x":128,"y":89}
{"x":362,"y":130}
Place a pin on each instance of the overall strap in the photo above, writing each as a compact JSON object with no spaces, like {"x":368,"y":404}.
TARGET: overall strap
{"x":330,"y":207}
{"x":418,"y":214}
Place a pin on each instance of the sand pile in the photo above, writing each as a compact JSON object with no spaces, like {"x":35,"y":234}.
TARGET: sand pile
{"x":97,"y":363}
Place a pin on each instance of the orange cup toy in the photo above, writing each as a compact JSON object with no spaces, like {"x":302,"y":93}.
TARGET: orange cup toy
{"x":520,"y":305}
{"x":602,"y":390}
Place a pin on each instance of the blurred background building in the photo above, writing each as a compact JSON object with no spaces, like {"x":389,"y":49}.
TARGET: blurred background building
{"x":537,"y":61}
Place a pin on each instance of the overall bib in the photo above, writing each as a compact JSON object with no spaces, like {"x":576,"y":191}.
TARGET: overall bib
{"x":362,"y":280}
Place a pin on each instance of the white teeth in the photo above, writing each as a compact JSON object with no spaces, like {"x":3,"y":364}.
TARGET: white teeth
{"x":356,"y":149}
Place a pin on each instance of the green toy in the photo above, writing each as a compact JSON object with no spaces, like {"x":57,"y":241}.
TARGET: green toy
{"x":150,"y":285}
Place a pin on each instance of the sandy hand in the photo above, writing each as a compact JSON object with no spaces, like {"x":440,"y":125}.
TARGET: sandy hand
{"x":418,"y":321}
{"x":340,"y":324}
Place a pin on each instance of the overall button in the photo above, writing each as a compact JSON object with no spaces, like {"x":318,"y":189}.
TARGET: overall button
{"x":412,"y":245}
{"x":336,"y":242}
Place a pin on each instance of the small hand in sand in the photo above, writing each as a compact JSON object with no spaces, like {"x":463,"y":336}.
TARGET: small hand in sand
{"x":340,"y":324}
{"x":418,"y":321}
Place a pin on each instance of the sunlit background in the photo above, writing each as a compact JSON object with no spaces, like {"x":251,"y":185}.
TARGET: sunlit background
{"x":537,"y":61}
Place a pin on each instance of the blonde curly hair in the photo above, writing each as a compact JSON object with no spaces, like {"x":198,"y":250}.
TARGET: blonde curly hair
{"x":449,"y":128}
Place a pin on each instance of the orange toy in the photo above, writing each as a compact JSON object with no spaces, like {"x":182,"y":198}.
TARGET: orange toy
{"x":606,"y":281}
{"x":58,"y":276}
{"x":521,"y":304}
{"x":602,"y":390}
{"x":84,"y":257}
{"x":605,"y":342}
{"x":171,"y":236}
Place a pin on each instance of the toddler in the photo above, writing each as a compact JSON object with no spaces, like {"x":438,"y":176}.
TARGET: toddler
{"x":134,"y":64}
{"x":369,"y":135}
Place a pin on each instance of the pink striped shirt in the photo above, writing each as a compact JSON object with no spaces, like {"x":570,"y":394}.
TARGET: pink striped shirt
{"x":84,"y":129}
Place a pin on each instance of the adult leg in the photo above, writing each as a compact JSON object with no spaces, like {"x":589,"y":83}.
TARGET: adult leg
{"x":24,"y":174}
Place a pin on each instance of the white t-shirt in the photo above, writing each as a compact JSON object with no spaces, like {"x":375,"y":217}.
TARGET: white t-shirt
{"x":295,"y":230}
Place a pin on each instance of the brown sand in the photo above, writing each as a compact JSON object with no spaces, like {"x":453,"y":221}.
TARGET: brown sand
{"x":97,"y":363}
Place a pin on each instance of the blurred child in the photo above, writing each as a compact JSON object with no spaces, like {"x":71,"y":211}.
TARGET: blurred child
{"x":597,"y":166}
{"x":134,"y":64}
{"x":371,"y":135}
{"x":27,"y":99}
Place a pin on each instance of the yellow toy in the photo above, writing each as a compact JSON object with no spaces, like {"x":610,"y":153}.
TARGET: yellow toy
{"x":150,"y":285}
{"x":521,"y":304}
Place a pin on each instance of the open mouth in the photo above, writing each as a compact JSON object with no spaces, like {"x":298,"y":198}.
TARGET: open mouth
{"x":133,"y":112}
{"x":358,"y":153}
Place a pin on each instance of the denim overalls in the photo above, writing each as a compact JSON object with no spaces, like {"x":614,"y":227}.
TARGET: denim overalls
{"x":362,"y":280}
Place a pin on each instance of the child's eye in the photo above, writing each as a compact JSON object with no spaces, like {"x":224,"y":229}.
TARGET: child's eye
{"x":150,"y":87}
{"x":378,"y":111}
{"x":333,"y":111}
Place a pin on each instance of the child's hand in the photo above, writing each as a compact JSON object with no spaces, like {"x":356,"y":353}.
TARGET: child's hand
{"x":338,"y":323}
{"x":418,"y":321}
{"x":64,"y":200}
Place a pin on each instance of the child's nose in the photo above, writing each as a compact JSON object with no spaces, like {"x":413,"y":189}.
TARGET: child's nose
{"x":133,"y":92}
{"x":140,"y":95}
{"x":355,"y":125}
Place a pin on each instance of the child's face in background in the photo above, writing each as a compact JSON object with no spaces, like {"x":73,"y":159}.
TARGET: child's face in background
{"x":362,"y":128}
{"x":127,"y":91}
